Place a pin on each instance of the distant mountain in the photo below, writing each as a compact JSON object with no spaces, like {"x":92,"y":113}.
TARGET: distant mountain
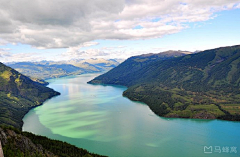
{"x":95,"y":64}
{"x":18,"y":94}
{"x":46,"y":71}
{"x":201,"y":85}
{"x":51,"y":69}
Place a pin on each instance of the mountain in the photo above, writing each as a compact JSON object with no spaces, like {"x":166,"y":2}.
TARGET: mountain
{"x":18,"y":94}
{"x":200,"y":85}
{"x":51,"y":69}
{"x":18,"y":143}
{"x":124,"y":73}
{"x":94,"y":64}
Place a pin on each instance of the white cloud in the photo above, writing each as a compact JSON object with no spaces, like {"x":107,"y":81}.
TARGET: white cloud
{"x":4,"y":53}
{"x":75,"y":53}
{"x":3,"y":42}
{"x":67,"y":24}
{"x":6,"y":56}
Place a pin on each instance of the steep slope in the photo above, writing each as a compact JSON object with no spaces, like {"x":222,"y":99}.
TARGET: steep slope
{"x":201,"y":85}
{"x":18,"y":94}
{"x":124,"y":73}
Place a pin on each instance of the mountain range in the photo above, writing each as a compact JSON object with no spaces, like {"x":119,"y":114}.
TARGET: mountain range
{"x":53,"y":69}
{"x":200,"y":85}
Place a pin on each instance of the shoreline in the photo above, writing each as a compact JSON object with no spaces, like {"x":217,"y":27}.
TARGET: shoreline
{"x":226,"y":117}
{"x":32,"y":107}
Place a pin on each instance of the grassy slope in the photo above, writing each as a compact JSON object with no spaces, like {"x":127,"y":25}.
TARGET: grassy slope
{"x":202,"y":85}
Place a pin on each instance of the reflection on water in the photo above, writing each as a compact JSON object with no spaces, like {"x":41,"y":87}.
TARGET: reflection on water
{"x":99,"y":119}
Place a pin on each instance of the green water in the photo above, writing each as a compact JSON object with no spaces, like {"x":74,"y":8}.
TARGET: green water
{"x":99,"y":119}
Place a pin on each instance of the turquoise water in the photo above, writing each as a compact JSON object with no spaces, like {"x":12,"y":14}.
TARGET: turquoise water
{"x":99,"y":119}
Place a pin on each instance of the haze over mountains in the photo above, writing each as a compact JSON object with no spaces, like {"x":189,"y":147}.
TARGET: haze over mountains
{"x":52,"y":69}
{"x":202,"y":85}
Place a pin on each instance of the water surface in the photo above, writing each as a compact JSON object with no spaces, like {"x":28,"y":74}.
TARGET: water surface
{"x":99,"y":119}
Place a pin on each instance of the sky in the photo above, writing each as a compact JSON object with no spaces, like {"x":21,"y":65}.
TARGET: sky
{"x":76,"y":29}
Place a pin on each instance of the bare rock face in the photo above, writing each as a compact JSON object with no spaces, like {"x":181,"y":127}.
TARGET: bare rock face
{"x":3,"y":136}
{"x":1,"y":150}
{"x":19,"y":142}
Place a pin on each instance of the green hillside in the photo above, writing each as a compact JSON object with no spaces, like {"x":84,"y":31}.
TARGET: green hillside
{"x":18,"y":94}
{"x":202,"y":85}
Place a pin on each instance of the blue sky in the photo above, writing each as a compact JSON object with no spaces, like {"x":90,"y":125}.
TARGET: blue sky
{"x":122,"y":34}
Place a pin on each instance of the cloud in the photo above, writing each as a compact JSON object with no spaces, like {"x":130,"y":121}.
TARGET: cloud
{"x":3,"y":42}
{"x":4,"y":53}
{"x":102,"y":52}
{"x":6,"y":56}
{"x":66,"y":24}
{"x":76,"y":53}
